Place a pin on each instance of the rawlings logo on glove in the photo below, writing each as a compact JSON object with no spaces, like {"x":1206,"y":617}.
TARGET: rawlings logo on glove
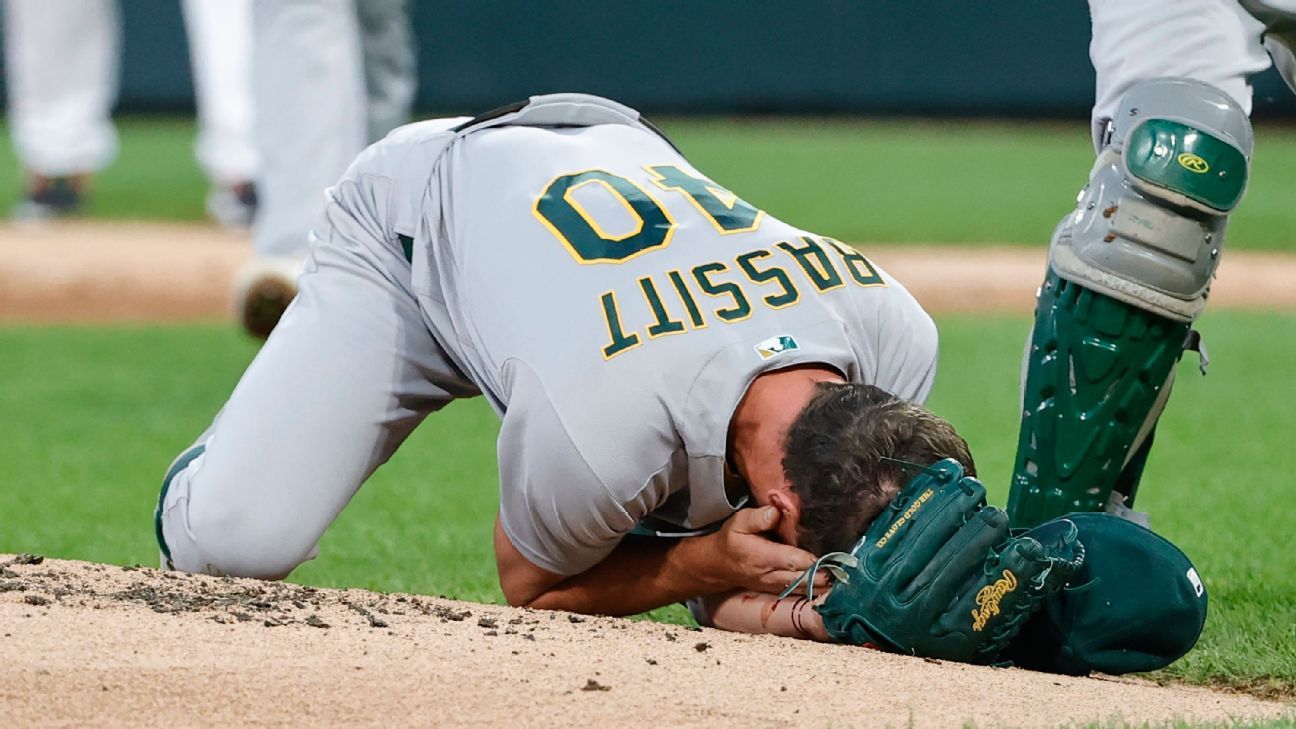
{"x":988,"y":598}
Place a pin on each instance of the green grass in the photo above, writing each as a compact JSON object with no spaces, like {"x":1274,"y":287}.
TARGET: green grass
{"x":93,"y":415}
{"x":1285,"y":722}
{"x":861,"y":181}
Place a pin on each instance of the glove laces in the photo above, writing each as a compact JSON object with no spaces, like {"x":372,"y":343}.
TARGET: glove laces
{"x":836,"y":563}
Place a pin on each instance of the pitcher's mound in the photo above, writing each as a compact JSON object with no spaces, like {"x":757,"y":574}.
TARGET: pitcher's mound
{"x":94,"y":271}
{"x":96,"y":645}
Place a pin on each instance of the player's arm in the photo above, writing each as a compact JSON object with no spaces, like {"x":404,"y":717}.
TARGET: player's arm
{"x":641,"y":574}
{"x":745,"y":611}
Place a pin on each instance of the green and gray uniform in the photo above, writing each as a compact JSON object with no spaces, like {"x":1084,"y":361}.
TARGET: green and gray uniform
{"x":564,"y":260}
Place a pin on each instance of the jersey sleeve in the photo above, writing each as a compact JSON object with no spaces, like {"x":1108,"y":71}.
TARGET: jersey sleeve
{"x":907,"y":349}
{"x":553,"y":507}
{"x":919,"y":373}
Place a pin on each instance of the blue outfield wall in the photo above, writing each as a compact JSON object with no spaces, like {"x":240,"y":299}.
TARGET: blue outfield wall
{"x":939,"y":57}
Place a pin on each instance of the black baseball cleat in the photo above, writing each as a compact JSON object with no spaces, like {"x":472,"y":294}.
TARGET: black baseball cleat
{"x":233,"y":207}
{"x":50,"y":198}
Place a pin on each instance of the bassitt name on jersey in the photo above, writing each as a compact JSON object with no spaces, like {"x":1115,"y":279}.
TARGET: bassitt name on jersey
{"x":723,"y":291}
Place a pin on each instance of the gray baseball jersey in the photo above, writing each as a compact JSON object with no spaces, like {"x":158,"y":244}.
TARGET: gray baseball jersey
{"x":614,"y":304}
{"x":563,"y":259}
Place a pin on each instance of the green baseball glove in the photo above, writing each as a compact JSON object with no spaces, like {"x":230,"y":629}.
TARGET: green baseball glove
{"x":938,"y":575}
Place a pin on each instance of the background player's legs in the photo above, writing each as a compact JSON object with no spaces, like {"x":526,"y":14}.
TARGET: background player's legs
{"x":1214,"y":41}
{"x":309,"y":94}
{"x":1279,"y":19}
{"x":61,"y":61}
{"x":390,"y":64}
{"x":1219,"y":42}
{"x":331,"y":76}
{"x":348,"y":374}
{"x":220,"y":53}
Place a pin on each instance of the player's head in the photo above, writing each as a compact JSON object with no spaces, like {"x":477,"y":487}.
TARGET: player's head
{"x":835,"y":455}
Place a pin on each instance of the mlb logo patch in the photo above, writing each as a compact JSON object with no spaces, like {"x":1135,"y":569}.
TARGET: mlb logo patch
{"x":775,"y":346}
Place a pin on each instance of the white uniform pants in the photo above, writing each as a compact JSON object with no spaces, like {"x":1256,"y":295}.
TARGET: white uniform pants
{"x":62,"y":65}
{"x":330,"y":77}
{"x":1214,"y":41}
{"x":220,"y":51}
{"x":62,"y":69}
{"x":345,"y":377}
{"x":61,"y":61}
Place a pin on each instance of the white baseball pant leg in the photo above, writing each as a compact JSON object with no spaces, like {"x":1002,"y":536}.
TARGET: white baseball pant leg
{"x":1277,"y":16}
{"x":1214,"y":41}
{"x":309,"y":96}
{"x":390,"y":64}
{"x":349,"y":372}
{"x":61,"y":62}
{"x":220,"y":53}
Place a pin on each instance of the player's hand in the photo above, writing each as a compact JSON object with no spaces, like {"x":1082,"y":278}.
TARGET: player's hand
{"x":740,"y":555}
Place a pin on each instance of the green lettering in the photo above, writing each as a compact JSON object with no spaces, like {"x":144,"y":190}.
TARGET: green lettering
{"x":741,"y":308}
{"x":582,"y":236}
{"x":665,"y":324}
{"x":776,"y":301}
{"x":859,"y":267}
{"x":727,"y":212}
{"x":686,"y":296}
{"x":620,"y":340}
{"x":815,"y":262}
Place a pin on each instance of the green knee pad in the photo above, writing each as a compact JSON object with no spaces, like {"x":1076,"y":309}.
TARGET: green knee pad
{"x":1095,"y":368}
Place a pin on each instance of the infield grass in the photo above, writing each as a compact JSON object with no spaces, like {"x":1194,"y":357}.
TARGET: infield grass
{"x":909,"y":181}
{"x":1286,"y":722}
{"x":93,"y":415}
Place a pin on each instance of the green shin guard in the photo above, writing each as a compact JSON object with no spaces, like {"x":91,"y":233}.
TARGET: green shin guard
{"x":1129,"y":271}
{"x":1095,"y":368}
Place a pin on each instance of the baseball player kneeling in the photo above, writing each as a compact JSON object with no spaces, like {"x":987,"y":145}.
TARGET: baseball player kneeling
{"x":697,"y":399}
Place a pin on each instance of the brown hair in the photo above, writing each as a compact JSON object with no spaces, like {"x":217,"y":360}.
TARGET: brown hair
{"x":833,"y":458}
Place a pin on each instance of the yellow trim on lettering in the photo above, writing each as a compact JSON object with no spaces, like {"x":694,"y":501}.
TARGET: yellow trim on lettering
{"x":718,"y":191}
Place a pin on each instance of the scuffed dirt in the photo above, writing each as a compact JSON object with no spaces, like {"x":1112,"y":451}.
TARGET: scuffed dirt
{"x":95,"y":645}
{"x":88,"y":272}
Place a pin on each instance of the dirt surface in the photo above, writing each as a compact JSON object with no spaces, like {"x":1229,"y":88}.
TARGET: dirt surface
{"x":94,"y":645}
{"x":151,"y":272}
{"x":117,"y":272}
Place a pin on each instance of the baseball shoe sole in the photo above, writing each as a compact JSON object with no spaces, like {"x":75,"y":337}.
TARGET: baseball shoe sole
{"x":263,"y":290}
